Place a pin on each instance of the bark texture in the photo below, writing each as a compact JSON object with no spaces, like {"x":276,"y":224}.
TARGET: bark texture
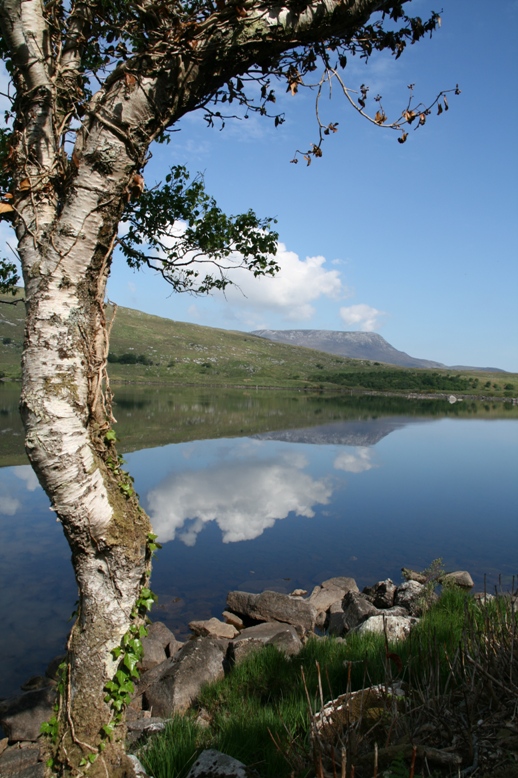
{"x":67,"y":206}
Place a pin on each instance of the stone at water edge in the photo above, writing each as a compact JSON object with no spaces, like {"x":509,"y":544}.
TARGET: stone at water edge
{"x":273,"y":606}
{"x":460,"y":578}
{"x":213,"y":628}
{"x":22,"y":717}
{"x":328,"y":593}
{"x":356,"y":608}
{"x":382,"y":593}
{"x":410,"y":595}
{"x":232,"y":618}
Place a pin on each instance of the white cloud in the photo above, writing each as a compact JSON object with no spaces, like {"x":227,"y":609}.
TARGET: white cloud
{"x":362,"y":316}
{"x":243,"y":498}
{"x":8,"y":505}
{"x":357,"y":462}
{"x":290,"y":295}
{"x":27,"y":474}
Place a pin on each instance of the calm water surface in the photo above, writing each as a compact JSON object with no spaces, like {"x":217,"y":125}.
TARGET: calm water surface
{"x":256,"y":490}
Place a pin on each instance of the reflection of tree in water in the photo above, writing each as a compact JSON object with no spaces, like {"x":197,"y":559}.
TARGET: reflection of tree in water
{"x":127,"y":404}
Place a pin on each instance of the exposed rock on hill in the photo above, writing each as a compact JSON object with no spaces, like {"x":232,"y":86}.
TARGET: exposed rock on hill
{"x":355,"y":345}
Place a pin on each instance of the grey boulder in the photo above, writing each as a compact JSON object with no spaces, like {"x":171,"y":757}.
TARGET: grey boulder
{"x":356,"y":608}
{"x":214,"y":764}
{"x":397,"y":628}
{"x":22,"y":762}
{"x":22,"y":717}
{"x":273,"y":606}
{"x":283,"y":636}
{"x":411,"y":595}
{"x":172,"y":686}
{"x":214,"y":628}
{"x":327,"y":594}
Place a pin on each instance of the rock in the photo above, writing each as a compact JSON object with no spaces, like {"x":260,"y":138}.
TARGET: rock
{"x":273,"y":606}
{"x":356,"y":609}
{"x":172,"y":686}
{"x":338,"y":714}
{"x":143,"y":727}
{"x":329,"y":592}
{"x":482,"y":598}
{"x":410,"y":595}
{"x":397,"y":627}
{"x":53,"y":666}
{"x":157,"y":630}
{"x":138,"y":767}
{"x":159,"y":644}
{"x":283,"y":636}
{"x":382,"y":593}
{"x":154,"y":654}
{"x":232,"y":618}
{"x":298,"y":593}
{"x":213,"y":764}
{"x":22,"y":717}
{"x":335,"y":622}
{"x":458,"y":578}
{"x":214,"y":628}
{"x":35,"y":682}
{"x":4,"y":742}
{"x":22,"y":762}
{"x":413,"y":575}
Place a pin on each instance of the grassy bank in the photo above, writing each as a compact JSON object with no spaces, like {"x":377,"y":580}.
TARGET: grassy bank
{"x":149,"y":349}
{"x":459,"y":670}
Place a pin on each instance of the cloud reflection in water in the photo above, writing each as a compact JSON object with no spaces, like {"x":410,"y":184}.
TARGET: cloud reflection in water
{"x":358,"y":462}
{"x":243,"y":497}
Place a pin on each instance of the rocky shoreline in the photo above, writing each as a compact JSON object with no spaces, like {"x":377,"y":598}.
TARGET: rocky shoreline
{"x":172,"y":673}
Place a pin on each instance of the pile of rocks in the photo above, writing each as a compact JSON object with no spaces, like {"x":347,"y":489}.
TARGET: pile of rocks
{"x":172,"y":673}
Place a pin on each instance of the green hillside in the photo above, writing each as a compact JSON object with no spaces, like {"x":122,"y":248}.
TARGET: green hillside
{"x":150,"y":349}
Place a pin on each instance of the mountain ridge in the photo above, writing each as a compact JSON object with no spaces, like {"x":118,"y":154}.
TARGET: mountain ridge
{"x":357,"y":345}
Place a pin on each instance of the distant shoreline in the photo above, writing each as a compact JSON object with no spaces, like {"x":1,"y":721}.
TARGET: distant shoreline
{"x":308,"y":390}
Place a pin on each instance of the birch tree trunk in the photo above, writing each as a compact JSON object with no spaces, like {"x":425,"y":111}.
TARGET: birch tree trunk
{"x":67,"y":415}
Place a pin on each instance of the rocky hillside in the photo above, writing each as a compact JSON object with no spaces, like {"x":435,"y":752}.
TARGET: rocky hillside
{"x":354,"y":345}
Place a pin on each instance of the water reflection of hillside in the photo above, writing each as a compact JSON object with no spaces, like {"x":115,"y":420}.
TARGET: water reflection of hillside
{"x":342,"y":433}
{"x":150,"y":416}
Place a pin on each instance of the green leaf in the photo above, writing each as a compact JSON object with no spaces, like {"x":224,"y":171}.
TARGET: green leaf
{"x":110,"y":435}
{"x":108,"y":729}
{"x":121,"y":676}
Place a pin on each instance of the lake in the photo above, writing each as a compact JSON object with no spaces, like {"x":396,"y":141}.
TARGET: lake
{"x":255,"y":490}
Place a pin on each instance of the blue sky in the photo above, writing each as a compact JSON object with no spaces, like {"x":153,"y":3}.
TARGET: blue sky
{"x":416,"y":241}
